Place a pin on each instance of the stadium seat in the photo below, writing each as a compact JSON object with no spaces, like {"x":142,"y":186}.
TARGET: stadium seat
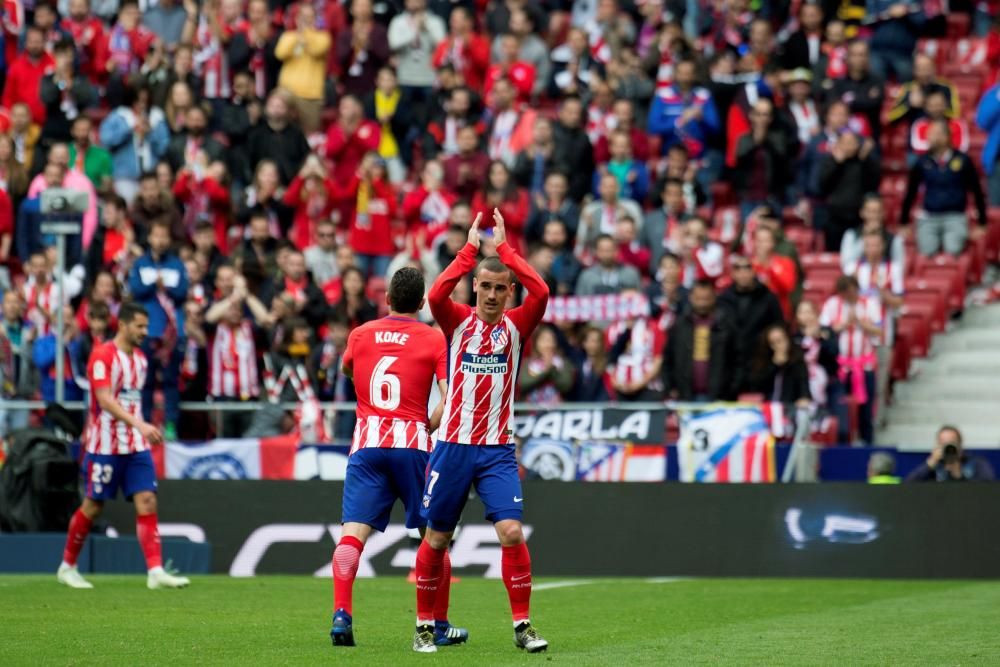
{"x":918,"y":332}
{"x":955,"y":268}
{"x":822,"y":282}
{"x":921,"y":292}
{"x":901,"y":357}
{"x":938,"y":49}
{"x":958,"y":25}
{"x":722,"y":194}
{"x":804,"y":239}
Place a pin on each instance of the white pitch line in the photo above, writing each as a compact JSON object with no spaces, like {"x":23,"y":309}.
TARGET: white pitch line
{"x":666,"y":580}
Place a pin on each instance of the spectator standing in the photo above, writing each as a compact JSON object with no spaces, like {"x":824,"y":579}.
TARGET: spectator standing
{"x":65,"y":94}
{"x":565,"y":266}
{"x":633,"y":179}
{"x":278,"y":140}
{"x":90,"y":40}
{"x":232,"y":360}
{"x":465,"y":171}
{"x":240,"y":114}
{"x":413,"y":37}
{"x":663,"y":226}
{"x":154,"y":203}
{"x":351,"y":137}
{"x":303,"y":53}
{"x":607,"y":276}
{"x":427,"y":209}
{"x":537,"y":159}
{"x":804,"y":47}
{"x":574,"y":146}
{"x":897,"y":25}
{"x":624,"y":120}
{"x":373,"y":206}
{"x":936,"y":109}
{"x":751,"y":308}
{"x":354,"y":307}
{"x":13,"y":174}
{"x":467,"y":51}
{"x":546,"y":377}
{"x":391,"y":107}
{"x":253,"y":49}
{"x":158,"y":281}
{"x":43,"y":355}
{"x":313,"y":195}
{"x":911,"y":99}
{"x":774,"y":271}
{"x":856,"y":320}
{"x":84,"y":156}
{"x":18,"y":376}
{"x":872,"y":220}
{"x":700,"y":361}
{"x":362,"y":49}
{"x":171,"y":22}
{"x":846,"y":174}
{"x":72,"y":180}
{"x":129,"y":43}
{"x":948,"y":177}
{"x":860,"y":89}
{"x":202,"y":188}
{"x":137,"y":137}
{"x":601,"y":216}
{"x":948,"y":462}
{"x":636,"y":359}
{"x":530,"y":48}
{"x":321,"y":256}
{"x":500,"y":191}
{"x":552,"y":203}
{"x":25,"y":74}
{"x":819,"y":349}
{"x":592,"y":380}
{"x":193,"y":139}
{"x":988,"y":119}
{"x":778,"y":370}
{"x":294,"y":293}
{"x":684,"y":112}
{"x":764,"y":160}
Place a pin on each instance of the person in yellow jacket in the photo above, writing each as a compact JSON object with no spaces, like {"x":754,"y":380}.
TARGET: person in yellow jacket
{"x":881,"y":466}
{"x":303,"y":71}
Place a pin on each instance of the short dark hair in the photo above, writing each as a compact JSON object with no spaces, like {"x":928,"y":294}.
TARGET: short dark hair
{"x":148,"y":176}
{"x":116,"y":200}
{"x":130,"y":310}
{"x":704,"y":283}
{"x":99,"y":311}
{"x":846,"y":282}
{"x":64,"y":43}
{"x":493,"y":265}
{"x":953,"y":429}
{"x":406,"y":290}
{"x":603,"y":237}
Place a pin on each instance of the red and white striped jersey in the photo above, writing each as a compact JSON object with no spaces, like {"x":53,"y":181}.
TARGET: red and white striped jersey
{"x":872,"y":278}
{"x":125,"y":375}
{"x":395,"y":361}
{"x":646,"y":342}
{"x":41,"y":298}
{"x":853,"y":341}
{"x":484,"y":358}
{"x":232,"y":366}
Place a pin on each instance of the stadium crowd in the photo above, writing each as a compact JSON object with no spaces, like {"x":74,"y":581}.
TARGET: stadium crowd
{"x":761,"y":180}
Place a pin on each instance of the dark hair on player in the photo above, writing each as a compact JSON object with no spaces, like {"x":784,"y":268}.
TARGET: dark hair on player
{"x":406,"y":290}
{"x":130,"y":310}
{"x":494,"y":265}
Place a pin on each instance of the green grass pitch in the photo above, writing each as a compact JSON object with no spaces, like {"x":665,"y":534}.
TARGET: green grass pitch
{"x":285,"y":621}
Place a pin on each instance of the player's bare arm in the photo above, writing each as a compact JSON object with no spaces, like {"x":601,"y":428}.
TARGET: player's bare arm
{"x":106,"y":400}
{"x":435,"y":419}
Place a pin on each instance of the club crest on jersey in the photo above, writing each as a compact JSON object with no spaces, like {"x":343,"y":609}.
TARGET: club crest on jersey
{"x":500,"y":337}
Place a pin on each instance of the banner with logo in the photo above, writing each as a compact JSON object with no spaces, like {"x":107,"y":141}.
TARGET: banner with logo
{"x":594,"y":461}
{"x":725,"y":443}
{"x":238,"y":458}
{"x":646,"y":427}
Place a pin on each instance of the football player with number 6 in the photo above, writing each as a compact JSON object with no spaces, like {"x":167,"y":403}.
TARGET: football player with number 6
{"x":394,"y":362}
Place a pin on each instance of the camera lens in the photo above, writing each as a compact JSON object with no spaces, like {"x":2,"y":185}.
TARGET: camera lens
{"x":950,"y":450}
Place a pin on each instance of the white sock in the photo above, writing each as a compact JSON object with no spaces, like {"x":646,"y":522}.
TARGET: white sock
{"x":156,"y":570}
{"x":67,"y":565}
{"x":421,"y":622}
{"x":517,"y":623}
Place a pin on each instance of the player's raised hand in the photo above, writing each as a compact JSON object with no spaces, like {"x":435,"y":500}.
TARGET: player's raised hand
{"x":474,"y":230}
{"x":499,"y":232}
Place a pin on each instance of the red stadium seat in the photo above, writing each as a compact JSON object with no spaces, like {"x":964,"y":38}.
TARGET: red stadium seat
{"x":938,"y":49}
{"x":820,"y":260}
{"x":958,"y":25}
{"x":722,"y":194}
{"x":952,"y":268}
{"x":918,"y":333}
{"x":822,"y":282}
{"x":901,"y":357}
{"x":804,"y":238}
{"x":924,"y":292}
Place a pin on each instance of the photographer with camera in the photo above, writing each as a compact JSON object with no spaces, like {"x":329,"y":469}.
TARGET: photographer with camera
{"x":948,"y":463}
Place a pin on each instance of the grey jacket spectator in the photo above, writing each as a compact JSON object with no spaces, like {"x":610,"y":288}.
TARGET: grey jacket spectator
{"x":413,"y":35}
{"x":607,"y":276}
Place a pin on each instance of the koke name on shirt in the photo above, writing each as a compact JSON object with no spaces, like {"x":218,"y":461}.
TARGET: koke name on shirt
{"x":395,"y":337}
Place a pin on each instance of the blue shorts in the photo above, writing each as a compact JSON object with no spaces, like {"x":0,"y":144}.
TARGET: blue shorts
{"x":455,"y":468}
{"x":376,"y":478}
{"x":104,"y":474}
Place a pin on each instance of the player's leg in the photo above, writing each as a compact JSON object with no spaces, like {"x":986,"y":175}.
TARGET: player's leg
{"x":446,"y":489}
{"x":139,"y":485}
{"x":101,"y":483}
{"x":409,"y":479}
{"x":367,"y":503}
{"x":499,"y":487}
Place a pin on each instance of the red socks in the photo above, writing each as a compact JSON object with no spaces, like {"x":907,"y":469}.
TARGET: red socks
{"x":345,"y":567}
{"x":515,"y":567}
{"x":444,"y":591}
{"x":79,"y":528}
{"x":148,"y":532}
{"x":430,"y":563}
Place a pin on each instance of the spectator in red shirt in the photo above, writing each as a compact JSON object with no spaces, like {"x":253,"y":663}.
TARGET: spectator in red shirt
{"x":465,"y":172}
{"x":775,"y":272}
{"x":373,"y":206}
{"x":630,"y":250}
{"x":623,"y":112}
{"x":465,"y":50}
{"x":427,"y":208}
{"x":129,"y":42}
{"x":91,"y":40}
{"x":313,"y":195}
{"x":521,"y":74}
{"x":501,"y":192}
{"x":350,"y":138}
{"x":202,"y":189}
{"x":24,"y":77}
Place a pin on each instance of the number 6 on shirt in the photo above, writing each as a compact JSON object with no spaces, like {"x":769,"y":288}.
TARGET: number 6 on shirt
{"x":384,"y":387}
